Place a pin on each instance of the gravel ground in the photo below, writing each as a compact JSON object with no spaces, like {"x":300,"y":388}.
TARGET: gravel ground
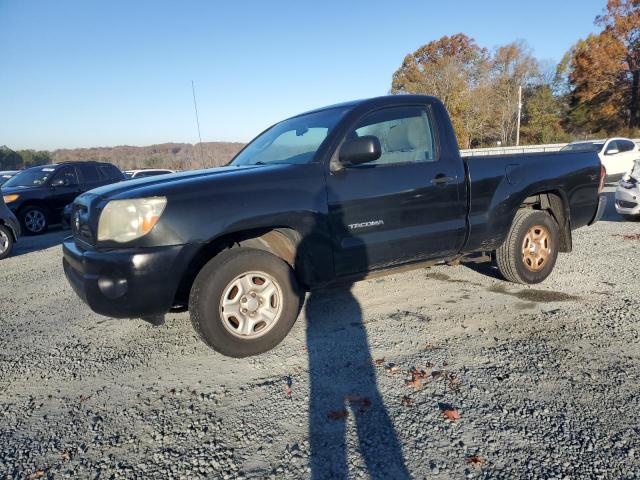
{"x":508,"y":381}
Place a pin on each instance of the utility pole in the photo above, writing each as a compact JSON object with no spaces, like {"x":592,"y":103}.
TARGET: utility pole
{"x":519,"y":115}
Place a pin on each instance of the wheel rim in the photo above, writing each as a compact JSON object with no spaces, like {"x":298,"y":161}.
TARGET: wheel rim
{"x":251,"y":305}
{"x":536,"y":248}
{"x":4,"y":242}
{"x":35,"y":221}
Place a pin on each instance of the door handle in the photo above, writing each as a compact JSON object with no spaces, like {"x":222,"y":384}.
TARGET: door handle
{"x":442,"y":180}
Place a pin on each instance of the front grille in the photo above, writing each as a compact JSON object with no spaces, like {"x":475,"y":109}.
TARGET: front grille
{"x":80,"y":223}
{"x":625,"y":204}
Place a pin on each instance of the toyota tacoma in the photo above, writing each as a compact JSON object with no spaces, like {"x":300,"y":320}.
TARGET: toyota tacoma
{"x":326,"y":197}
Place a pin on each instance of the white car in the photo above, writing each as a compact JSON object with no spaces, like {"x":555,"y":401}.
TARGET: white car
{"x":146,"y":172}
{"x":616,"y":154}
{"x":628,"y":193}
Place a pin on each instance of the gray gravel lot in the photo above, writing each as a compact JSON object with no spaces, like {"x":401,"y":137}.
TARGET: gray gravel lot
{"x":545,"y":380}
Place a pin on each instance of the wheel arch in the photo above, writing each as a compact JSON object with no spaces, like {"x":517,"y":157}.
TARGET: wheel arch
{"x":281,"y":241}
{"x":556,"y":203}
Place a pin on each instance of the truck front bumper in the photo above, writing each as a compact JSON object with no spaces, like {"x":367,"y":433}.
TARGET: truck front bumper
{"x":126,"y":283}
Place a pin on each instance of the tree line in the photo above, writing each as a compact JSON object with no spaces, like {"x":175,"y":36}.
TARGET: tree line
{"x":16,"y":160}
{"x":593,"y":92}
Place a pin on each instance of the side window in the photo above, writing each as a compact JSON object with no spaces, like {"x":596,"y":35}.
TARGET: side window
{"x":66,"y":177}
{"x":626,"y":145}
{"x":613,"y":145}
{"x":406,"y":135}
{"x":109,"y":172}
{"x":89,"y":173}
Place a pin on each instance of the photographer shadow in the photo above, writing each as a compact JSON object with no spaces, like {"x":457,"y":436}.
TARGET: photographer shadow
{"x":344,"y":389}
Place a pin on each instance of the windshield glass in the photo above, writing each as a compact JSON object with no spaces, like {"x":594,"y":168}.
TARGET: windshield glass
{"x":32,"y":177}
{"x":583,"y":147}
{"x":293,"y":141}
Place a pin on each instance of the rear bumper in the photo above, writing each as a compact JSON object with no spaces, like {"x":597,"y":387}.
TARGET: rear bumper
{"x":602,"y":206}
{"x":126,"y":283}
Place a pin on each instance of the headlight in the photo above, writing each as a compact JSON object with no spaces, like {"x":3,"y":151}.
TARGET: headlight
{"x":126,"y":220}
{"x":10,"y":198}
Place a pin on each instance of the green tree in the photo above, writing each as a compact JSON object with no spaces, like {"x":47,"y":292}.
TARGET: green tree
{"x":542,"y":116}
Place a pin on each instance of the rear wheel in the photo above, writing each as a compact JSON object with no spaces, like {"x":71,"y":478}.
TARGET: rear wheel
{"x":6,"y":242}
{"x":530,"y":250}
{"x":35,"y":219}
{"x":244,"y":302}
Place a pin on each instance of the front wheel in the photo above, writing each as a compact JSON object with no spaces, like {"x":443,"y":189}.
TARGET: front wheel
{"x":530,"y":250}
{"x":35,"y":219}
{"x":244,"y":302}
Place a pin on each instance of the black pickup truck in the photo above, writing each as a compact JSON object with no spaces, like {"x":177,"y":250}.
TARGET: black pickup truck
{"x":328,"y":196}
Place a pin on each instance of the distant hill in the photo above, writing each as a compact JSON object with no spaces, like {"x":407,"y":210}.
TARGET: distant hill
{"x":177,"y":156}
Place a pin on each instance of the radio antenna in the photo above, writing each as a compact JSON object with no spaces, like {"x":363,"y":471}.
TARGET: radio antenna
{"x":195,"y":106}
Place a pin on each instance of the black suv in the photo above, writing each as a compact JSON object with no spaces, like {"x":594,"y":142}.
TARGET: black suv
{"x":37,"y":195}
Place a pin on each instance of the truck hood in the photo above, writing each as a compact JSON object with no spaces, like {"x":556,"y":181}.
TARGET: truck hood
{"x":162,"y":184}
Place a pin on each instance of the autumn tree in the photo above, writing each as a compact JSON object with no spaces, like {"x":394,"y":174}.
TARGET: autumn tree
{"x":542,"y":116}
{"x":449,"y":68}
{"x":604,"y":72}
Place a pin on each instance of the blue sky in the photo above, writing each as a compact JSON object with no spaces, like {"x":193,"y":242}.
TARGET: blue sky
{"x":79,"y":73}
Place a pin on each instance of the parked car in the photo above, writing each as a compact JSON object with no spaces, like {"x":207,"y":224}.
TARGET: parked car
{"x":616,"y":154}
{"x":628,"y":194}
{"x":333,"y":195}
{"x":147,"y":172}
{"x":9,"y":230}
{"x":37,"y":195}
{"x":6,"y":175}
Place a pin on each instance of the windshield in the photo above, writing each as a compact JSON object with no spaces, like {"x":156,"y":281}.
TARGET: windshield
{"x":5,"y":177}
{"x":583,"y":147}
{"x":32,"y":177}
{"x":293,"y":141}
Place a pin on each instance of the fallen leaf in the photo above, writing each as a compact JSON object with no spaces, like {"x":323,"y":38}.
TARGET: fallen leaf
{"x":451,"y":413}
{"x":476,"y":460}
{"x":428,"y":346}
{"x":429,"y":365}
{"x":379,"y":361}
{"x":407,"y":401}
{"x":287,"y":390}
{"x":37,"y":474}
{"x":337,"y":414}
{"x":392,"y":369}
{"x":415,"y":382}
{"x":418,"y":373}
{"x":66,"y":455}
{"x":172,"y":391}
{"x":84,"y":398}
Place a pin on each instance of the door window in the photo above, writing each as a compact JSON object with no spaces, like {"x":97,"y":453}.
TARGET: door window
{"x":406,"y":135}
{"x":66,"y":177}
{"x":89,"y":173}
{"x":626,"y":145}
{"x":613,"y":145}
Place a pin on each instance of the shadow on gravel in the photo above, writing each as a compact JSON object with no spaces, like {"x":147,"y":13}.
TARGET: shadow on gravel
{"x":344,"y":390}
{"x":343,"y":385}
{"x":29,"y":244}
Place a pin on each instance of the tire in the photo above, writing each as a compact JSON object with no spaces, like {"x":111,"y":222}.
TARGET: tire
{"x":530,"y":250}
{"x":6,"y":242}
{"x":225,"y":328}
{"x":34,"y":219}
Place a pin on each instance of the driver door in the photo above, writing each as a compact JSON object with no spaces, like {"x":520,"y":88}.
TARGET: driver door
{"x":64,"y":188}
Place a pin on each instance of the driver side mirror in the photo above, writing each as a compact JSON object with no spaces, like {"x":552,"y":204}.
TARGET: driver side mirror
{"x":360,"y":150}
{"x":612,"y":151}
